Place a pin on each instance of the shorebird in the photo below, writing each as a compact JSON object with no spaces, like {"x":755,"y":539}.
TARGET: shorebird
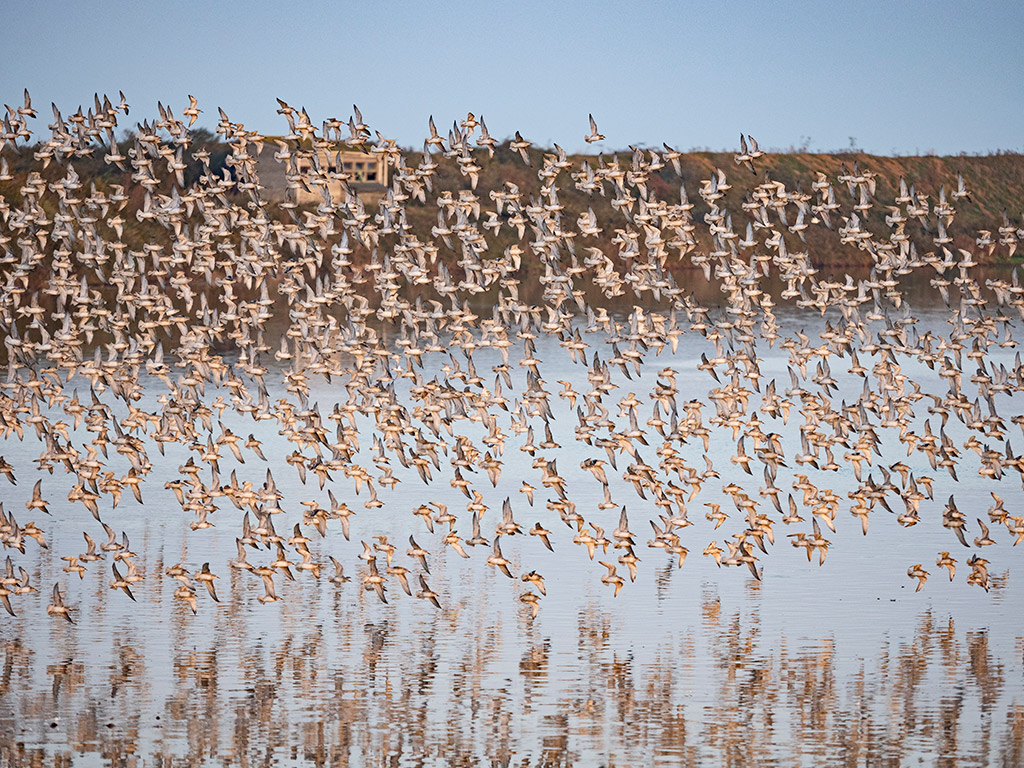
{"x":119,"y":582}
{"x":947,"y":562}
{"x":339,"y":576}
{"x":418,"y":552}
{"x":205,"y":576}
{"x":612,"y":578}
{"x":747,"y":156}
{"x":57,"y":606}
{"x":270,"y":595}
{"x":37,"y":501}
{"x":373,"y":580}
{"x":427,"y":593}
{"x":536,"y":579}
{"x":496,"y":560}
{"x":919,"y":573}
{"x":5,"y":598}
{"x":543,"y":534}
{"x":192,"y":111}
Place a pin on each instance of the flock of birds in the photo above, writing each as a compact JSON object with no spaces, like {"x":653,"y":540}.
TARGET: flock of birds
{"x":91,"y":318}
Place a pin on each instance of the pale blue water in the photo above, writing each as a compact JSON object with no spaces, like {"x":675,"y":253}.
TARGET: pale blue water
{"x":839,"y":664}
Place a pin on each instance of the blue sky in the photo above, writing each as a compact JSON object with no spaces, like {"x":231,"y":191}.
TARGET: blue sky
{"x":896,"y":77}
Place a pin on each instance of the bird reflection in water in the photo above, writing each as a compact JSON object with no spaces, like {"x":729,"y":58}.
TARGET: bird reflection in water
{"x":720,"y":693}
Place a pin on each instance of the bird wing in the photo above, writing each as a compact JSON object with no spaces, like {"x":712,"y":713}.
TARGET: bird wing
{"x":268,"y":584}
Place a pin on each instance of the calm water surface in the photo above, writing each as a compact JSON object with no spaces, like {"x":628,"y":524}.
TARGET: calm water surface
{"x":842,"y":664}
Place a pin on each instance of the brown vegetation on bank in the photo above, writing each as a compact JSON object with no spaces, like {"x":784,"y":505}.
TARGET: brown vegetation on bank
{"x":994,"y":181}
